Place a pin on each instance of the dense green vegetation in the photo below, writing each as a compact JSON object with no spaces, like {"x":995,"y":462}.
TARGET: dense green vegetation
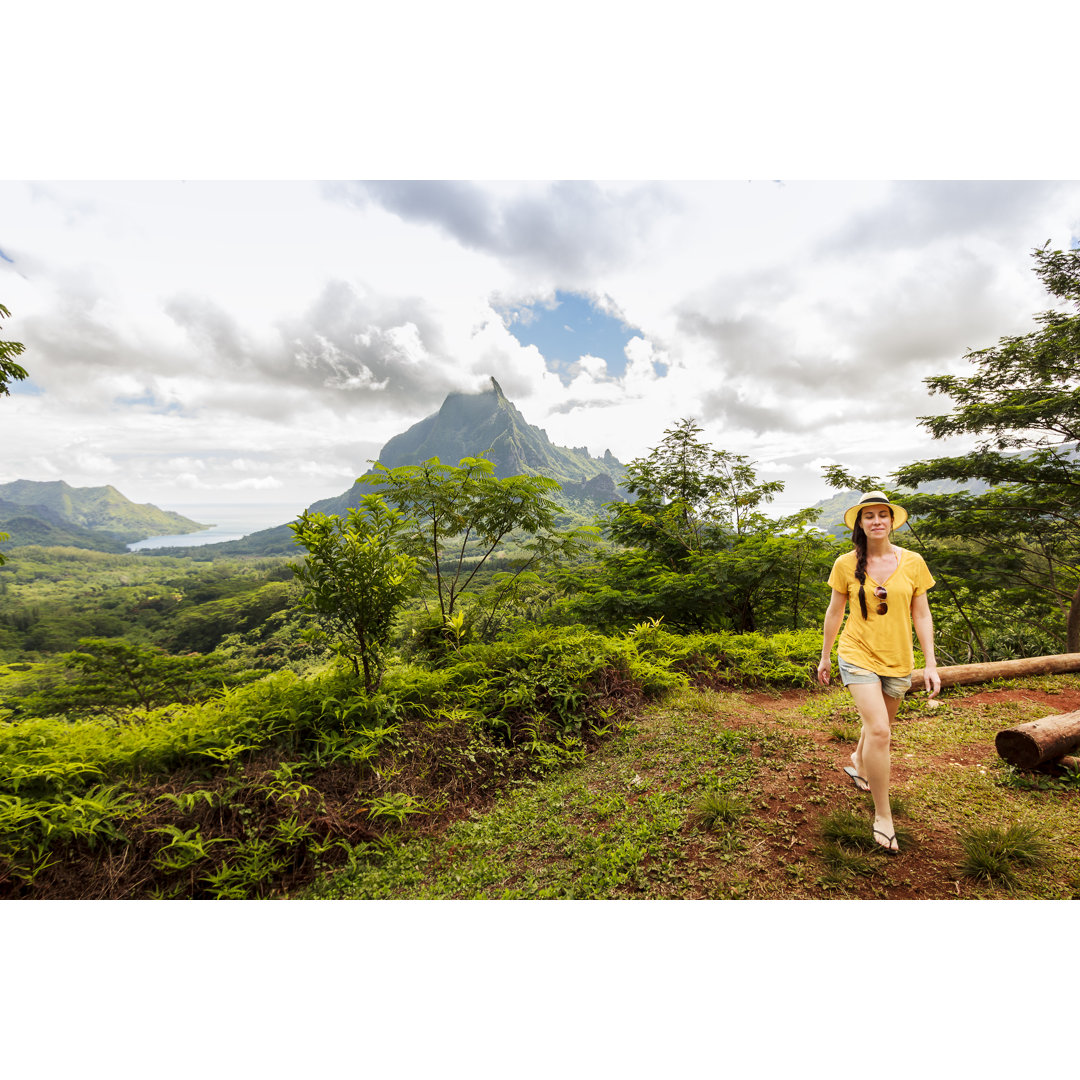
{"x":214,"y":725}
{"x":736,"y":795}
{"x":52,"y":597}
{"x":262,"y":785}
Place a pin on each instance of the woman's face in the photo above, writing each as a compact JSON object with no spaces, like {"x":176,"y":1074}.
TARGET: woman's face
{"x":876,"y":520}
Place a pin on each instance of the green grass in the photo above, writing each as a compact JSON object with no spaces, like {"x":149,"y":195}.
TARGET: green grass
{"x":625,"y":822}
{"x":992,"y":852}
{"x":841,"y":732}
{"x":1011,"y":777}
{"x":703,"y":794}
{"x":843,"y":863}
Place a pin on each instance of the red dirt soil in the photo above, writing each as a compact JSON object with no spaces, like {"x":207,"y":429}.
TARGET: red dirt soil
{"x":805,"y":791}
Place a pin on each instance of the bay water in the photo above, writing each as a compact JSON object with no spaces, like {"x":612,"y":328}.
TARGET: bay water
{"x":231,"y":521}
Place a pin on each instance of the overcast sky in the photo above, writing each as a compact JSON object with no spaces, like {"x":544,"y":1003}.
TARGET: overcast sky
{"x":224,"y":341}
{"x":213,"y":342}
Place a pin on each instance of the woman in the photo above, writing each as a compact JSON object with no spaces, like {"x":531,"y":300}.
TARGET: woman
{"x":886,"y":588}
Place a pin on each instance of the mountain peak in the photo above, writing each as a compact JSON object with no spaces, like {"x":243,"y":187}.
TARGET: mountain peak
{"x":488,"y":423}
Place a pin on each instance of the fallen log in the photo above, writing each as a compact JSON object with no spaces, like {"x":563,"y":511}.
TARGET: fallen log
{"x":1061,"y":766}
{"x":967,"y":674}
{"x":1031,"y":745}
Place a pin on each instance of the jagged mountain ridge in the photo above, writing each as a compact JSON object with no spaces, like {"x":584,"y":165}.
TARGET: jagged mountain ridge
{"x":53,"y":512}
{"x":488,"y":423}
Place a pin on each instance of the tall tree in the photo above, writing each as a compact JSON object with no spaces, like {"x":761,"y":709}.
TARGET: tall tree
{"x":459,"y":516}
{"x":688,"y":494}
{"x":356,"y":577}
{"x":696,"y":549}
{"x":1023,"y":398}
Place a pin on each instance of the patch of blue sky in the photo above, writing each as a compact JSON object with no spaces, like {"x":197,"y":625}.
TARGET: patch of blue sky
{"x":570,"y":327}
{"x":25,"y":386}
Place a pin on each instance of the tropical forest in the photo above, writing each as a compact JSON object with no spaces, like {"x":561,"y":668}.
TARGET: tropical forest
{"x":496,"y":668}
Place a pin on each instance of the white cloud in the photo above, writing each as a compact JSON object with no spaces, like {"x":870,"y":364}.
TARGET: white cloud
{"x":245,"y":338}
{"x":569,"y":229}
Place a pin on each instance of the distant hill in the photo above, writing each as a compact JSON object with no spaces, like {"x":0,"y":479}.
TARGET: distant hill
{"x":831,"y":519}
{"x":466,"y":425}
{"x":38,"y":525}
{"x":55,"y":513}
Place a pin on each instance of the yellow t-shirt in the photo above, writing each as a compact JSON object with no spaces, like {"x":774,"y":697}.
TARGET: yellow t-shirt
{"x":880,"y":643}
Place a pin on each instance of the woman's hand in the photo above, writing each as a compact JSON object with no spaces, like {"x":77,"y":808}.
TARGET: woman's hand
{"x":824,"y":671}
{"x":932,"y":680}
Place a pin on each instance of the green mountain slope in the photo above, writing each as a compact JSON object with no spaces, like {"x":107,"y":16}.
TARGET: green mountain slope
{"x":56,"y":504}
{"x":38,"y":525}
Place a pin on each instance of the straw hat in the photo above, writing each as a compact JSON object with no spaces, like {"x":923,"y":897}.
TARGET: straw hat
{"x":874,"y":498}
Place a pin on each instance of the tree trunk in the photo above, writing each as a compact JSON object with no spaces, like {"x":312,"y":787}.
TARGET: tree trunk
{"x":1072,"y":631}
{"x":1027,"y":746}
{"x":966,"y":674}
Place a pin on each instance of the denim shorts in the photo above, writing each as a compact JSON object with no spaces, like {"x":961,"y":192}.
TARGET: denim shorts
{"x":893,"y":685}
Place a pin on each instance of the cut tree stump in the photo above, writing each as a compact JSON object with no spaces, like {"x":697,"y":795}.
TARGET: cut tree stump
{"x":967,"y":674}
{"x":1040,"y":742}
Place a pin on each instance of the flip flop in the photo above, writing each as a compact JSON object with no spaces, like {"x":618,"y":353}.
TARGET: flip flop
{"x":855,"y":778}
{"x":887,"y":847}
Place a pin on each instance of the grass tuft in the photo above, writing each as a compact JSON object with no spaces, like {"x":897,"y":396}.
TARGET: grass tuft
{"x":841,"y":732}
{"x":718,"y":808}
{"x":841,"y":862}
{"x":848,"y":830}
{"x":990,"y":851}
{"x":853,"y":831}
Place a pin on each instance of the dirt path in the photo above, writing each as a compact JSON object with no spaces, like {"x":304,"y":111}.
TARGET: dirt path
{"x":946,"y":775}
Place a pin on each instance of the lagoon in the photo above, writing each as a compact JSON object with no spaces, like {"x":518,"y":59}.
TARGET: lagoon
{"x":231,"y":522}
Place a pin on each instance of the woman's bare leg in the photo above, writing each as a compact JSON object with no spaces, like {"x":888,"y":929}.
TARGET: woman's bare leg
{"x":892,"y":705}
{"x":871,"y":758}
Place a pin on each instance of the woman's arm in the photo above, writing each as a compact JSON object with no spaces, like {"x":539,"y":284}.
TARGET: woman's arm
{"x":923,"y":622}
{"x":834,"y":616}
